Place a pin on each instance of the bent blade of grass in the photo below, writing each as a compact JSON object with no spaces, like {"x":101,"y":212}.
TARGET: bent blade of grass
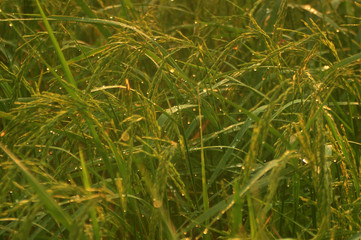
{"x":101,"y":21}
{"x":49,"y":203}
{"x":85,"y":20}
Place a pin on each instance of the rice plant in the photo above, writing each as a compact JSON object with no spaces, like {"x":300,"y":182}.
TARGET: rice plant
{"x":176,"y":119}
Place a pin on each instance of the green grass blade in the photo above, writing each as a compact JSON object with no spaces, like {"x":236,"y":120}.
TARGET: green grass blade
{"x":87,"y":186}
{"x":49,"y":203}
{"x":203,"y":165}
{"x":86,"y":9}
{"x":57,"y":48}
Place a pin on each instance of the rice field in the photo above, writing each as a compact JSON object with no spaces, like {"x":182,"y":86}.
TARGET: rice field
{"x":180,"y":119}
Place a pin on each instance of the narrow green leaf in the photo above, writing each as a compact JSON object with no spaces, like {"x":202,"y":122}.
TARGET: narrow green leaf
{"x":57,"y":48}
{"x":49,"y":203}
{"x":86,"y":9}
{"x":87,"y":186}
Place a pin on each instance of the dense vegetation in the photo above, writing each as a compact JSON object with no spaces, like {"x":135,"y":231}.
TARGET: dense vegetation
{"x":180,"y":119}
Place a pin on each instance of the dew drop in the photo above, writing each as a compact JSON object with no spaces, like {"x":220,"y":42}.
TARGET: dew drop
{"x":157,"y":203}
{"x":326,"y":67}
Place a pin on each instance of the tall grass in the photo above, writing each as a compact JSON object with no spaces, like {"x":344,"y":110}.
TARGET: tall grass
{"x":180,"y":119}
